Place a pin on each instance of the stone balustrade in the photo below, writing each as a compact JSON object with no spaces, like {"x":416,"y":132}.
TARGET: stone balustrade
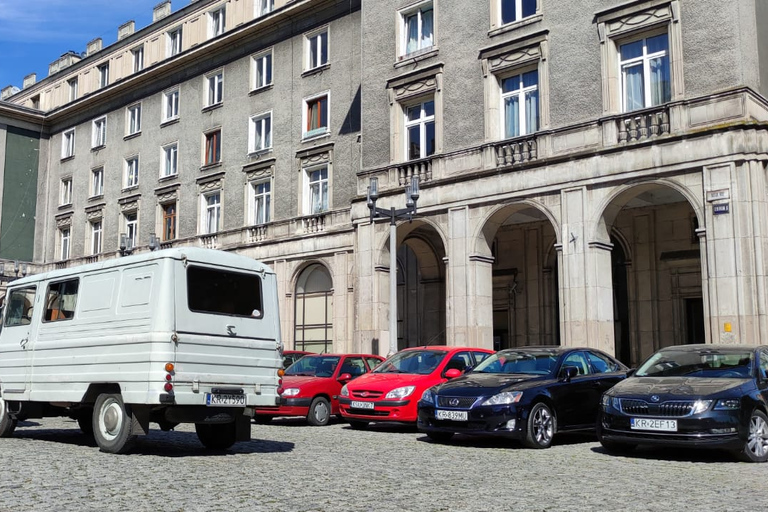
{"x":643,"y":125}
{"x":517,"y":150}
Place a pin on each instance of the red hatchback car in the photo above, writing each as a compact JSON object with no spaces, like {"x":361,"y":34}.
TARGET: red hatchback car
{"x":311,"y":386}
{"x":392,"y":391}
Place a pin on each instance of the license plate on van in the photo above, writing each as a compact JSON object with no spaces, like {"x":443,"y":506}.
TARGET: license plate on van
{"x":224,"y":400}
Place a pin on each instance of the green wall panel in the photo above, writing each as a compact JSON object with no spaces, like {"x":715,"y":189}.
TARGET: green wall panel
{"x":17,"y":229}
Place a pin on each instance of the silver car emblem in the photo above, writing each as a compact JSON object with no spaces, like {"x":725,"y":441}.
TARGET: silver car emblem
{"x":655,"y":398}
{"x":453,"y":402}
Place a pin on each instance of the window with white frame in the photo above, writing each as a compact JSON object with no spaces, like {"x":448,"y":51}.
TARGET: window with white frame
{"x":104,"y":75}
{"x":131,"y":227}
{"x":170,"y":105}
{"x":420,"y":130}
{"x":214,"y":85}
{"x":418,"y":28}
{"x":316,"y":44}
{"x":261,"y":199}
{"x":263,"y":7}
{"x":73,"y":86}
{"x":138,"y":58}
{"x":516,"y":10}
{"x":211,"y":212}
{"x":212,"y":148}
{"x":99,"y":132}
{"x":133,"y":119}
{"x":173,"y":42}
{"x":645,"y":72}
{"x":260,"y":132}
{"x":68,"y":143}
{"x":520,"y":103}
{"x":262,"y":69}
{"x":217,"y":22}
{"x":65,"y":236}
{"x":315,"y":116}
{"x":65,"y":197}
{"x":96,"y":228}
{"x":132,"y":172}
{"x":97,"y":182}
{"x":170,"y":160}
{"x":316,"y":180}
{"x":169,"y":221}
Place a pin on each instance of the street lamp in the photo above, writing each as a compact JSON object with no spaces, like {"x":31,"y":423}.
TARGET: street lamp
{"x":411,"y":197}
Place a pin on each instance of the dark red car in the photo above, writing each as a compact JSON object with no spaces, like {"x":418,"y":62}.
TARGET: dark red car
{"x":311,"y":386}
{"x":392,"y":391}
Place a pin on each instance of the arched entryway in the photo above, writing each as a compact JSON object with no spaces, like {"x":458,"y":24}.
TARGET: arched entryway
{"x":313,"y":325}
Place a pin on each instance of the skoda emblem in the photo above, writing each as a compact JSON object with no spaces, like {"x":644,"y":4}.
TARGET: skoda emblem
{"x":654,"y":398}
{"x":453,"y":402}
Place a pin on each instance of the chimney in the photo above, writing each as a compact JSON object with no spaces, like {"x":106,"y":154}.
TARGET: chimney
{"x":8,"y":91}
{"x":125,"y":30}
{"x":161,"y":10}
{"x":29,"y":80}
{"x":64,"y":61}
{"x":93,"y":47}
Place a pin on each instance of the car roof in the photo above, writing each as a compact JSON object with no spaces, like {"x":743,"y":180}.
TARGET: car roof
{"x":554,"y":349}
{"x":708,"y":346}
{"x":342,"y":355}
{"x":445,"y":347}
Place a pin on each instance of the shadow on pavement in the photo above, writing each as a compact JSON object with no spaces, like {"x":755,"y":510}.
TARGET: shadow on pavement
{"x":673,"y":454}
{"x":480,"y":441}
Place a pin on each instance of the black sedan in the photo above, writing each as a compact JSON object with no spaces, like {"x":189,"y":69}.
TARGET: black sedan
{"x":707,"y":396}
{"x":526,"y":393}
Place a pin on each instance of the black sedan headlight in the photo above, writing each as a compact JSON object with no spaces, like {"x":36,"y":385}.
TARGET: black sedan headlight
{"x":607,"y":401}
{"x":727,"y":404}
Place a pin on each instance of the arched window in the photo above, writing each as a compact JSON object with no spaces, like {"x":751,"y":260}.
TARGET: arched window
{"x":313,"y":329}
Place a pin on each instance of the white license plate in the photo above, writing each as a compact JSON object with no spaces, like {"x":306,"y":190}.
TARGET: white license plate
{"x":222,"y":399}
{"x":452,"y":415}
{"x":653,"y":424}
{"x":357,"y":404}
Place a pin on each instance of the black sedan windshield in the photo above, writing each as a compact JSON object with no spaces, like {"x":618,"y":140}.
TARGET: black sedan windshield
{"x":314,"y":366}
{"x":709,"y":363}
{"x":534,"y":362}
{"x":420,"y":362}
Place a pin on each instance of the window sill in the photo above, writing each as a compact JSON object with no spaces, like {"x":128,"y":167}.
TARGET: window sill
{"x":170,"y":177}
{"x":169,"y":122}
{"x":209,"y":108}
{"x":261,"y":89}
{"x":65,"y":206}
{"x":97,"y":196}
{"x":94,"y":149}
{"x":317,"y":70}
{"x":316,"y":134}
{"x":67,"y":158}
{"x":132,"y":135}
{"x":515,"y":25}
{"x":208,"y":167}
{"x":414,"y":57}
{"x":130,"y":189}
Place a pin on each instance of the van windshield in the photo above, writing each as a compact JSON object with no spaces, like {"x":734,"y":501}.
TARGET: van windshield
{"x":223,"y":292}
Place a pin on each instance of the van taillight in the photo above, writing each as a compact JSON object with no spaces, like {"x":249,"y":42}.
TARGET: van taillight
{"x":169,"y":367}
{"x":168,"y":386}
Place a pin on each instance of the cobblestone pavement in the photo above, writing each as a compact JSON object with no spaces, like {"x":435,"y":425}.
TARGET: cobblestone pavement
{"x":50,"y":465}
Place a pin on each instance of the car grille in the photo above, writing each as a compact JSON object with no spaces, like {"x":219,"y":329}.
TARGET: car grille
{"x":463,"y":402}
{"x":670,"y":409}
{"x":366,"y":394}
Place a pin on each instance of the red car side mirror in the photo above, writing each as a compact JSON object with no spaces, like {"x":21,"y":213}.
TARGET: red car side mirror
{"x":345,"y":377}
{"x":452,"y":373}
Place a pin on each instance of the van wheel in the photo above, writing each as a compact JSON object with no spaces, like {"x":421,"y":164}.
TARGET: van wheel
{"x":216,"y":436}
{"x":319,"y":412}
{"x":84,"y":419}
{"x":112,"y":424}
{"x":7,"y":424}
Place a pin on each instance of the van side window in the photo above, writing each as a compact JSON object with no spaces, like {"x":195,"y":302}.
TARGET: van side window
{"x":20,"y":306}
{"x":223,"y":292}
{"x":61,"y":300}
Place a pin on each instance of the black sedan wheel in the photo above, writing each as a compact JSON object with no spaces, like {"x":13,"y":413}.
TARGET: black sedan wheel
{"x":541,"y":427}
{"x":756,"y":447}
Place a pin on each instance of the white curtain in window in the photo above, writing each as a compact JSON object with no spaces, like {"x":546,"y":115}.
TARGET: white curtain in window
{"x":511,"y":117}
{"x":426,"y":28}
{"x":531,"y":111}
{"x":660,"y":84}
{"x":633,"y":87}
{"x":412,"y":26}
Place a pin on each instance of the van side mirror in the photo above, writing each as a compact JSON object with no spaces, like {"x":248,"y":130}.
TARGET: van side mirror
{"x":567,"y":373}
{"x":452,"y":373}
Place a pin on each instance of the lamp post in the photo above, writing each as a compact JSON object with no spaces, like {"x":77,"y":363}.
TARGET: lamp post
{"x":16,"y":268}
{"x":411,"y":197}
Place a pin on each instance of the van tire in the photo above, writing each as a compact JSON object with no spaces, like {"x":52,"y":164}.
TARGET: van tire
{"x":112,"y":424}
{"x":7,"y":424}
{"x":216,"y":436}
{"x":319,"y":412}
{"x":84,"y":419}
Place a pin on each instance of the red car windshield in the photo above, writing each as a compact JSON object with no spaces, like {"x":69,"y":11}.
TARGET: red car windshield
{"x":420,"y":362}
{"x":314,"y":366}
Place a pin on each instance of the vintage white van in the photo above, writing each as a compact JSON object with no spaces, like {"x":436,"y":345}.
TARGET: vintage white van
{"x":185,"y":335}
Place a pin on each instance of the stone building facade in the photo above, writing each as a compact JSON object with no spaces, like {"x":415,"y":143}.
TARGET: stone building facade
{"x":592,"y":178}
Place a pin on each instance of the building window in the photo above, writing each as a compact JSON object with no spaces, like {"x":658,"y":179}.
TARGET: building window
{"x":65,"y":198}
{"x":317,"y":190}
{"x":134,"y":119}
{"x":418,"y":29}
{"x":263,"y":7}
{"x":217,"y":22}
{"x":65,"y":235}
{"x":99,"y":132}
{"x":211,"y":212}
{"x":174,"y":42}
{"x":68,"y":143}
{"x":515,"y":10}
{"x":96,"y":232}
{"x":169,"y":221}
{"x":104,"y":75}
{"x":132,"y":172}
{"x":212,"y":147}
{"x":520,"y":104}
{"x":170,"y":160}
{"x":317,"y":49}
{"x":645,"y":74}
{"x":261,"y":198}
{"x":138,"y":58}
{"x":131,"y":226}
{"x":260,"y":135}
{"x":214,"y":89}
{"x":420,"y":130}
{"x":316,"y":116}
{"x":72,"y":83}
{"x":97,"y":182}
{"x":313,"y":328}
{"x":170,"y":105}
{"x":262,"y":70}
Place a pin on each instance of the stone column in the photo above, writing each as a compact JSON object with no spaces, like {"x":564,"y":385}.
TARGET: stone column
{"x":370,"y":312}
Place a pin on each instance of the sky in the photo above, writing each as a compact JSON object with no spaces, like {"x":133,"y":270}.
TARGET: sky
{"x":34,"y":33}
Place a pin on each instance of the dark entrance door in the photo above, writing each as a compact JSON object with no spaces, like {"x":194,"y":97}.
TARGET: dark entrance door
{"x":694,"y":320}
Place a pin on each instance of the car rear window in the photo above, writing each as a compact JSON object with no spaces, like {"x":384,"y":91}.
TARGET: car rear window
{"x":224,"y":292}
